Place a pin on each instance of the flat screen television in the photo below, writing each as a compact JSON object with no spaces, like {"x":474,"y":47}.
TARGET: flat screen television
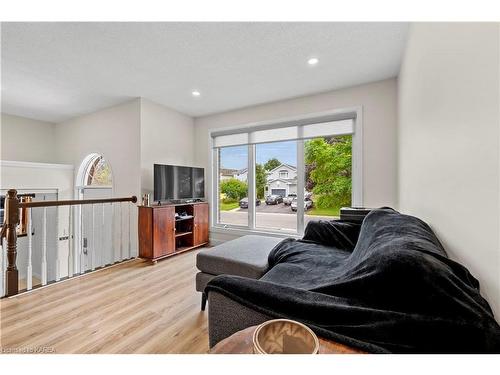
{"x":174,"y":182}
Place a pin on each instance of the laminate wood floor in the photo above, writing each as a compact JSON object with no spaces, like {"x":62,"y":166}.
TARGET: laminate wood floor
{"x":23,"y":282}
{"x":134,"y":307}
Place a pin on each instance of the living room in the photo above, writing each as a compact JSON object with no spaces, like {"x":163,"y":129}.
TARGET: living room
{"x":198,"y":187}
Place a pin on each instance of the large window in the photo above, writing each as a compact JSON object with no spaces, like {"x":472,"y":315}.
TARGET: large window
{"x":232,"y":178}
{"x":278,"y":177}
{"x":276,"y":162}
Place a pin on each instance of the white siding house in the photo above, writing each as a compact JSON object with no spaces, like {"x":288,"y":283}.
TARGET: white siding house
{"x":227,"y":173}
{"x":242,"y":175}
{"x":282,"y":180}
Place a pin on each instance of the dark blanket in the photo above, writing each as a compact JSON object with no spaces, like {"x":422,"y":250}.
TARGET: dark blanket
{"x":395,"y":291}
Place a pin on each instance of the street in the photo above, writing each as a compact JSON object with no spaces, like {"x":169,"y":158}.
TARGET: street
{"x":285,"y":221}
{"x":272,"y":208}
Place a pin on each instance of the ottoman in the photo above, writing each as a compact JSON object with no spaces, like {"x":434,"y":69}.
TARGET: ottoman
{"x":245,"y":256}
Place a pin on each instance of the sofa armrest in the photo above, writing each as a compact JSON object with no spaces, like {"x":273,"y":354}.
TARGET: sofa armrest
{"x":227,"y":316}
{"x":336,"y":233}
{"x":236,"y":303}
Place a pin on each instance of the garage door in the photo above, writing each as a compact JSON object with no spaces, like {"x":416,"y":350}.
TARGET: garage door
{"x":281,"y":192}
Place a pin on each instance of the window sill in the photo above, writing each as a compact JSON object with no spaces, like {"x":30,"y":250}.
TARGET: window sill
{"x":247,"y":231}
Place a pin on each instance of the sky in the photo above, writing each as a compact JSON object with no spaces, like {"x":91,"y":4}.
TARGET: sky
{"x":236,"y":157}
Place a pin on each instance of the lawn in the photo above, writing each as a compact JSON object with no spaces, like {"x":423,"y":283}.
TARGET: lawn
{"x":228,"y":206}
{"x":330,"y":211}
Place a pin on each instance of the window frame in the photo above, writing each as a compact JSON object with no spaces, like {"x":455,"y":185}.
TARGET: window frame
{"x":91,"y":168}
{"x":284,"y":172}
{"x":353,"y":113}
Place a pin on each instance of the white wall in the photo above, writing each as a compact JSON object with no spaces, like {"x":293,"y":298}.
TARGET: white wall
{"x":166,"y":138}
{"x":115,"y":133}
{"x":379,"y":105}
{"x":33,"y":176}
{"x":24,"y":139}
{"x":448,"y":140}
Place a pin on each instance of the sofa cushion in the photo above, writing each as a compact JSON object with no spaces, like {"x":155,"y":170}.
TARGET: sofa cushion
{"x":245,"y":256}
{"x":305,"y":265}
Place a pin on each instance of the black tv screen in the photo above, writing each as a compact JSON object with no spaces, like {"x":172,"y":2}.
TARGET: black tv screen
{"x":177,"y":182}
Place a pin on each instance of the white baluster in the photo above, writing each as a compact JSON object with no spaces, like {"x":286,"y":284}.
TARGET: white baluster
{"x":92,"y":244}
{"x":70,"y":242}
{"x":121,"y":231}
{"x":112,"y":235}
{"x":29,"y":271}
{"x":58,"y":266}
{"x":44,"y":248}
{"x":2,"y":268}
{"x":103,"y":238}
{"x":82,"y":255}
{"x":129,"y":232}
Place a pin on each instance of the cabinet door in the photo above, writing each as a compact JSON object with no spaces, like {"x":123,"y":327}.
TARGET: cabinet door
{"x":146,"y":232}
{"x":200,"y":223}
{"x":163,"y":231}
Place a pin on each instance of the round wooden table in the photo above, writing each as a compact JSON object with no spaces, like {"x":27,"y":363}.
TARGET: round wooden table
{"x":242,"y":343}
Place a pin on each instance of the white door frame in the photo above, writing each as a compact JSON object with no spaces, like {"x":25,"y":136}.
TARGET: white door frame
{"x":78,"y":194}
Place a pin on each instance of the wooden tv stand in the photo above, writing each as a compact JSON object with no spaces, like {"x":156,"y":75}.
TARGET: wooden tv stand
{"x":162,"y":235}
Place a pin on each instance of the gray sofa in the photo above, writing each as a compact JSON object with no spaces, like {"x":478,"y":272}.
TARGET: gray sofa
{"x":245,"y":256}
{"x":385,"y":285}
{"x":226,"y":316}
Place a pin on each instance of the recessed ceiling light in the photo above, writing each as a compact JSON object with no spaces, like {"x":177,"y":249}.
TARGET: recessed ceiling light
{"x":313,"y":61}
{"x":195,"y":93}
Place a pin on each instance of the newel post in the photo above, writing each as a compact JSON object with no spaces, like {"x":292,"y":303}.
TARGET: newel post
{"x":11,"y":222}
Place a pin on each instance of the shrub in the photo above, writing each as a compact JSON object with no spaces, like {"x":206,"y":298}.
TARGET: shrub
{"x":234,"y":189}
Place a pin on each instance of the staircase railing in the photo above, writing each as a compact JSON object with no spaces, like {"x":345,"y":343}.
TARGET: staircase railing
{"x":12,"y":212}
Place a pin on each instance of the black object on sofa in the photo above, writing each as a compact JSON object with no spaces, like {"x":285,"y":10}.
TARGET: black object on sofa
{"x":393,"y":289}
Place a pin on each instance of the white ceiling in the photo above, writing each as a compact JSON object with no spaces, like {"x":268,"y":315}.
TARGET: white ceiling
{"x":55,"y":71}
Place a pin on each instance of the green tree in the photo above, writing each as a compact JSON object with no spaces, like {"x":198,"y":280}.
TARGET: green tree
{"x":234,"y":188}
{"x":102,"y":175}
{"x":271,"y":164}
{"x":330,"y":172}
{"x":260,"y":180}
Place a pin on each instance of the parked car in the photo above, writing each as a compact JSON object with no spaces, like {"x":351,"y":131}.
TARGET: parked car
{"x":244,"y":202}
{"x":289,"y":198}
{"x":308,"y":203}
{"x":274,"y":199}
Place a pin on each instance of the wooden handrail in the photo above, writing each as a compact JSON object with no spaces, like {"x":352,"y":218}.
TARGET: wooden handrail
{"x":75,"y":202}
{"x":11,"y":221}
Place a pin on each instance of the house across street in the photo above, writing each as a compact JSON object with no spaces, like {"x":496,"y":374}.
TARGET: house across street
{"x":281,"y":180}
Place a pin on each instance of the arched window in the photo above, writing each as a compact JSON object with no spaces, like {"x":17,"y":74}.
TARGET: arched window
{"x":97,"y":171}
